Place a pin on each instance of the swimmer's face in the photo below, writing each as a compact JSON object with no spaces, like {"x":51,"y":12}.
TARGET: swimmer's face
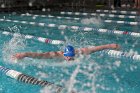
{"x":67,"y":58}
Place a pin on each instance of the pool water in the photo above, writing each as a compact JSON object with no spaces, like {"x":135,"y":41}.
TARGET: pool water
{"x":95,"y":73}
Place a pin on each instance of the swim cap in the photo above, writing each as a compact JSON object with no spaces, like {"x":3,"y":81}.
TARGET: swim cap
{"x":69,"y":51}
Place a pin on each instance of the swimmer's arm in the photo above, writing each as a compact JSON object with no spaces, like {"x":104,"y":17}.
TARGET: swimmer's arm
{"x":90,"y":50}
{"x":39,"y":55}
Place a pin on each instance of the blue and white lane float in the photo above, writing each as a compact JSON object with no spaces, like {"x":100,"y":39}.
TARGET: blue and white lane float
{"x":29,"y":79}
{"x":120,"y":54}
{"x":51,"y":16}
{"x":118,"y":11}
{"x":62,"y":27}
{"x":122,"y":22}
{"x":97,"y":14}
{"x":44,"y":24}
{"x":40,"y":39}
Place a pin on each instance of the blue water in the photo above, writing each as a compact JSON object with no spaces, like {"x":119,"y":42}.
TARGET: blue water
{"x":97,"y":73}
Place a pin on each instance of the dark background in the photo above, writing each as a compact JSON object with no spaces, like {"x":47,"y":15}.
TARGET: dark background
{"x":77,"y":5}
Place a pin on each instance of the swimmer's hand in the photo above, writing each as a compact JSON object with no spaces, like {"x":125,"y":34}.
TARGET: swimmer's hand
{"x":19,"y":56}
{"x":115,"y":46}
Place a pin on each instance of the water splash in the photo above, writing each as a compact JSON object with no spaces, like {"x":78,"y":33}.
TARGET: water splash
{"x":72,"y":80}
{"x":46,"y":90}
{"x":15,"y":28}
{"x":92,"y":20}
{"x":11,"y":47}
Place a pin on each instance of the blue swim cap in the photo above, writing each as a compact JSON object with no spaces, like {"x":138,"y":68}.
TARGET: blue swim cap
{"x":69,"y":51}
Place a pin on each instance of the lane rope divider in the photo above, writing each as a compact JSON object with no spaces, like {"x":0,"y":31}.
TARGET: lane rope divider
{"x":40,"y":39}
{"x":118,"y":11}
{"x":42,"y":24}
{"x":29,"y":79}
{"x":99,"y":14}
{"x":51,"y":16}
{"x":63,"y":27}
{"x":120,"y":54}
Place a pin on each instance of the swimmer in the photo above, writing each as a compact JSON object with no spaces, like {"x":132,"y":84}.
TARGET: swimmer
{"x":68,"y":54}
